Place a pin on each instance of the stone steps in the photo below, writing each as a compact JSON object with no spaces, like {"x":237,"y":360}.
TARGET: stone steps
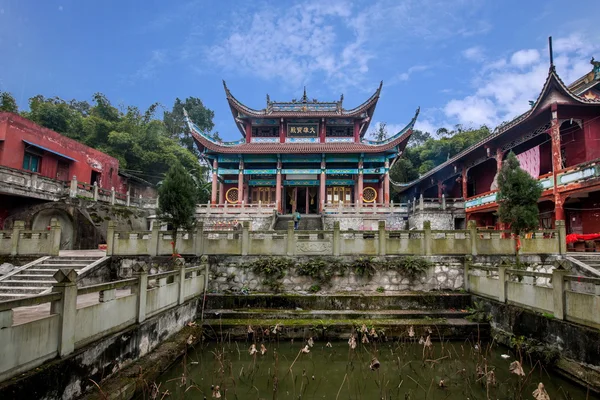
{"x":335,"y":314}
{"x":38,"y":277}
{"x":33,"y":277}
{"x":325,"y":330}
{"x":25,"y":282}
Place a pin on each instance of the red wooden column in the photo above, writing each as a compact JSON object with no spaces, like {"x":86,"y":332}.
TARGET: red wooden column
{"x":440,"y":189}
{"x":499,"y":155}
{"x":221,"y":193}
{"x":360,"y":183}
{"x":281,"y":131}
{"x":386,"y":183}
{"x":464,"y":183}
{"x":559,"y":212}
{"x":241,"y":182}
{"x":248,"y":127}
{"x":278,"y":188}
{"x":213,"y":191}
{"x":322,"y":183}
{"x":323,"y":131}
{"x":356,"y":131}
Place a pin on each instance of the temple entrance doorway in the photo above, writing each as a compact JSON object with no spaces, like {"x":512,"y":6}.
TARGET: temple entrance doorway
{"x":305,"y":199}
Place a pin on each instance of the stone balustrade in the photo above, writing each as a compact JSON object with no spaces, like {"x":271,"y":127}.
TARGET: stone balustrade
{"x":21,"y":242}
{"x":69,"y":327}
{"x":31,"y":184}
{"x":334,"y":242}
{"x":236,"y":209}
{"x":556,"y":294}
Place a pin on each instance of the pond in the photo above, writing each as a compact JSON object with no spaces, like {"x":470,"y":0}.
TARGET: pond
{"x":404,"y":369}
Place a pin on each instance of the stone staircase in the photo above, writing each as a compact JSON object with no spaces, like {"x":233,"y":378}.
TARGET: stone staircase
{"x":586,"y":262}
{"x":441,"y":315}
{"x":37,"y":277}
{"x":307,"y":223}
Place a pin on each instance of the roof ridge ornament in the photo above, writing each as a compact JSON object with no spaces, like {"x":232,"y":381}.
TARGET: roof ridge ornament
{"x":304,"y":97}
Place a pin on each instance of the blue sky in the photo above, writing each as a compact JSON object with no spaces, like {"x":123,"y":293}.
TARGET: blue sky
{"x":462,"y":61}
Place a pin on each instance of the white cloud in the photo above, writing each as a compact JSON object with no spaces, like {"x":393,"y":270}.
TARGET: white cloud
{"x":475,"y":53}
{"x":149,"y":68}
{"x":505,"y":86}
{"x":523,"y":58}
{"x":336,"y":39}
{"x":404,"y":76}
{"x":425,"y":125}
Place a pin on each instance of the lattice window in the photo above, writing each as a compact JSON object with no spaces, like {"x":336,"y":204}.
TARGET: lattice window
{"x":340,"y":131}
{"x":369,"y":195}
{"x":264,"y":131}
{"x":232,"y":196}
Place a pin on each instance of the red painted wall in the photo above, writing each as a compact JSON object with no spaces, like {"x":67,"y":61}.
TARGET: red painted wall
{"x":592,"y":138}
{"x":573,"y":145}
{"x":482,"y":176}
{"x":546,"y":157}
{"x":590,"y":213}
{"x":14,"y":129}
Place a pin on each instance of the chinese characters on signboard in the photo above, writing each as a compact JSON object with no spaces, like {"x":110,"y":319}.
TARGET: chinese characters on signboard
{"x":303,"y":130}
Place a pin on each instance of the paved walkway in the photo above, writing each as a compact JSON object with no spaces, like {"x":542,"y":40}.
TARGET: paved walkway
{"x":27,"y":314}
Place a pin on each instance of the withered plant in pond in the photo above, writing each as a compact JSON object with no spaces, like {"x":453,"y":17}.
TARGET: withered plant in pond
{"x":271,"y":269}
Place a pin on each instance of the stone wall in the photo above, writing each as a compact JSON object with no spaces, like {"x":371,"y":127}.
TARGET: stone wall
{"x":261,"y":222}
{"x":440,"y":220}
{"x":365,"y":222}
{"x":228,"y":275}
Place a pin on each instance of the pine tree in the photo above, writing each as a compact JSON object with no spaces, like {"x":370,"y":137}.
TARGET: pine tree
{"x":518,"y":194}
{"x":178,"y":196}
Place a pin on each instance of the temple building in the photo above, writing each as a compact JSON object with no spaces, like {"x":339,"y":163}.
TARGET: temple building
{"x":557,"y":141}
{"x":301,"y":155}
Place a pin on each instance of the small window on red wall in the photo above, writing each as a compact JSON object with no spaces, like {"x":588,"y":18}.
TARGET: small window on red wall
{"x":31,"y":162}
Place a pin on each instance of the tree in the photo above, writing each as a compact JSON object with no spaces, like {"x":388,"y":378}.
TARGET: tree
{"x":380,"y":133}
{"x":8,"y":102}
{"x":178,"y":196}
{"x":518,"y":194}
{"x":175,"y":122}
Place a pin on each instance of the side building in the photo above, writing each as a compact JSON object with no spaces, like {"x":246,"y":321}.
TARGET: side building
{"x":301,"y":155}
{"x":38,"y":164}
{"x":557,"y":141}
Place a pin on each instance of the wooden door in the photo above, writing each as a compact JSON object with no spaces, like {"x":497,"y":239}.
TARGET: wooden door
{"x":62,"y":171}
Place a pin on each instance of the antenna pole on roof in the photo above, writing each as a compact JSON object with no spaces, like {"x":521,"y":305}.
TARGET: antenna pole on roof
{"x":550,"y":50}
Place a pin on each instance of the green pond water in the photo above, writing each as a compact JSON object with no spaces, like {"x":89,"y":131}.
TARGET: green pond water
{"x":407,"y":370}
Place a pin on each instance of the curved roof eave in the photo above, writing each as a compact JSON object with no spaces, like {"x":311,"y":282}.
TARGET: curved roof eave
{"x":205,"y":142}
{"x":551,"y":79}
{"x":238,"y":107}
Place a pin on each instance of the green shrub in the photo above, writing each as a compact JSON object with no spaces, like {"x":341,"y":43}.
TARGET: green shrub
{"x":411,"y":266}
{"x":364,"y":267}
{"x":321,"y":270}
{"x":271,"y":269}
{"x":314,"y":288}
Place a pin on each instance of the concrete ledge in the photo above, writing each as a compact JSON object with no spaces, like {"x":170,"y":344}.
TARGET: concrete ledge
{"x":578,"y":345}
{"x":72,"y":376}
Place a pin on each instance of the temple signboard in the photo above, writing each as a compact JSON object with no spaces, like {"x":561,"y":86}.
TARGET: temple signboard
{"x":302,"y":130}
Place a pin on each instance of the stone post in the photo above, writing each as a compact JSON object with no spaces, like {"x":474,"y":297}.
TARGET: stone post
{"x":421,"y":202}
{"x":112,"y":195}
{"x":336,"y":238}
{"x":110,"y":238}
{"x":245,"y":237}
{"x":199,"y":239}
{"x":66,"y":308}
{"x":180,"y":265}
{"x":107,"y":295}
{"x":443,"y":202}
{"x":157,"y":197}
{"x":140,"y":270}
{"x":73,"y":190}
{"x":382,"y":238}
{"x":33,"y":182}
{"x":558,"y":286}
{"x":18,"y":226}
{"x":6,"y":319}
{"x":472,"y":226}
{"x":502,"y":282}
{"x":128,"y":198}
{"x":467,"y":266}
{"x":155,"y":238}
{"x":427,"y":237}
{"x":54,"y":237}
{"x":290,"y":239}
{"x":95,"y":191}
{"x":562,"y":237}
{"x":414,"y":205}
